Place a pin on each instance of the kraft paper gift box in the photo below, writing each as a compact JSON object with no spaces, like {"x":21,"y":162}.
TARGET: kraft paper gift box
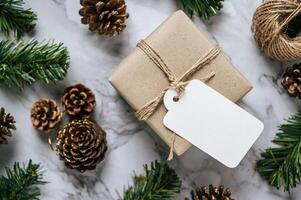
{"x":180,"y":44}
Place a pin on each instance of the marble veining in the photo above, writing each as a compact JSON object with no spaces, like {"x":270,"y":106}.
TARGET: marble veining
{"x":132,"y":143}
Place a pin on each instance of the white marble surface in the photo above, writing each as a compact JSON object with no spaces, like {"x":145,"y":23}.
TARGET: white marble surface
{"x":131,"y":143}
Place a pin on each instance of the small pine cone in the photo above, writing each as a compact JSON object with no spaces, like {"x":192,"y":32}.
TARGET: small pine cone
{"x":7,"y":123}
{"x":292,"y":80}
{"x":78,"y":100}
{"x":106,"y":17}
{"x":213,"y":193}
{"x":81,"y":144}
{"x":45,"y":115}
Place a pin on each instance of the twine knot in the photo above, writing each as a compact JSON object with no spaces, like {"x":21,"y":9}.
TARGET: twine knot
{"x":179,"y":88}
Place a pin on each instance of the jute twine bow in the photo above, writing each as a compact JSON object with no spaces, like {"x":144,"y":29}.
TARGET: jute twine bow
{"x":268,"y":22}
{"x":178,"y":84}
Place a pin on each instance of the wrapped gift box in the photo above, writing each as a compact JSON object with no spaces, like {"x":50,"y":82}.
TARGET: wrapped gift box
{"x":180,"y":44}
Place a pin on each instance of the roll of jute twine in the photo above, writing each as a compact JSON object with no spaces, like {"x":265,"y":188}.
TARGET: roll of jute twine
{"x":269,"y":22}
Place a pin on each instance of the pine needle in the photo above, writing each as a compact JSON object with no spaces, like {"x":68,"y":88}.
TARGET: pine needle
{"x":204,"y":8}
{"x":21,"y":182}
{"x":160,"y":182}
{"x":281,"y":165}
{"x":26,"y":62}
{"x":14,"y":18}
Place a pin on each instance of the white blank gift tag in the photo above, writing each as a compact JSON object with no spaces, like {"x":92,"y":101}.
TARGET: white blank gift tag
{"x":211,"y":122}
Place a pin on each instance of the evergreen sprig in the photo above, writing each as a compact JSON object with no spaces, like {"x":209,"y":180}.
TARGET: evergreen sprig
{"x":281,"y":165}
{"x":21,"y":182}
{"x":160,"y":182}
{"x":204,"y":8}
{"x":14,"y":18}
{"x":25,"y":62}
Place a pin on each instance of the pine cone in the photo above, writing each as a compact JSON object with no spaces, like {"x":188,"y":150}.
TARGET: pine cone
{"x":78,"y":100}
{"x":213,"y":193}
{"x":45,"y":115}
{"x":105,"y":16}
{"x":7,"y":123}
{"x":81,"y":144}
{"x":292,"y":80}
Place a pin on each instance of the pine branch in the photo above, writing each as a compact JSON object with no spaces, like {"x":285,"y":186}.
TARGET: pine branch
{"x":25,"y":62}
{"x":281,"y":166}
{"x":21,"y":183}
{"x":160,"y":182}
{"x":204,"y":8}
{"x":15,"y":18}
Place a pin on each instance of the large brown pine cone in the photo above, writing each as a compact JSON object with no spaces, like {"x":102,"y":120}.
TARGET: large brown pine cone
{"x":81,"y":144}
{"x":104,"y":16}
{"x":292,"y":80}
{"x":45,"y":115}
{"x":213,"y":193}
{"x":7,"y":123}
{"x":78,"y":100}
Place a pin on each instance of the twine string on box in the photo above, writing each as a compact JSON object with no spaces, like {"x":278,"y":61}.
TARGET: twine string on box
{"x":178,"y":84}
{"x":268,"y":22}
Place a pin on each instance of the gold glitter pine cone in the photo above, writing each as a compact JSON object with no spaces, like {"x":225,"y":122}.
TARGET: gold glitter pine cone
{"x":45,"y":115}
{"x":81,"y":144}
{"x":7,"y":124}
{"x":211,"y":193}
{"x":78,"y":100}
{"x":291,"y":80}
{"x":107,"y":17}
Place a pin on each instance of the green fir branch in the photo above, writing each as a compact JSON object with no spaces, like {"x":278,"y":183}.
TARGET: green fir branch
{"x":25,"y":62}
{"x":14,"y":18}
{"x":21,"y":182}
{"x":281,"y":165}
{"x":204,"y":8}
{"x":160,"y":182}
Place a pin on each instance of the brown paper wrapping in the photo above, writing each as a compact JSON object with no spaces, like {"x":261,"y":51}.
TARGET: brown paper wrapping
{"x":180,"y":44}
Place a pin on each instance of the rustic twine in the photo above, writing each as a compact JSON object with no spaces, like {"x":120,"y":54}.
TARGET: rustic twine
{"x":178,"y":84}
{"x":268,"y":22}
